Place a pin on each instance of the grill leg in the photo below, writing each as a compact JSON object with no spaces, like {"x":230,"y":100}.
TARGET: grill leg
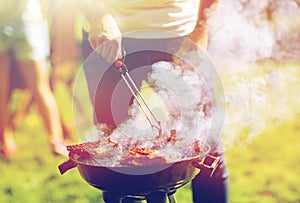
{"x":110,"y":198}
{"x":172,"y":198}
{"x":157,"y":197}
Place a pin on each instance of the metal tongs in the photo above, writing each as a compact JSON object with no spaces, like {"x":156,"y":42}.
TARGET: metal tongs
{"x":123,"y":70}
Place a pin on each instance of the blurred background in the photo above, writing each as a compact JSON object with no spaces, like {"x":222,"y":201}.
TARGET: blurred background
{"x":255,"y":46}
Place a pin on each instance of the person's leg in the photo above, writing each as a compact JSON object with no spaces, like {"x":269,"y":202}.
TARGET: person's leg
{"x":131,"y":200}
{"x":62,"y":76}
{"x":213,"y":189}
{"x":36,"y":78}
{"x":7,"y":143}
{"x":64,"y":55}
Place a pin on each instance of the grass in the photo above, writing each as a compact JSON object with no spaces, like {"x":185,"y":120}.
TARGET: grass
{"x":265,"y":170}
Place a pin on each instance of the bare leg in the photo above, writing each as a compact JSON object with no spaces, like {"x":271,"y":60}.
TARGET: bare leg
{"x":37,"y":80}
{"x":7,"y":143}
{"x":24,"y":104}
{"x":65,"y":52}
{"x":64,"y":74}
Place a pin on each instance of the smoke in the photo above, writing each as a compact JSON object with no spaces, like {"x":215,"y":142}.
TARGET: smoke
{"x":285,"y":16}
{"x":240,"y":30}
{"x":179,"y":98}
{"x":250,"y":30}
{"x":255,"y":46}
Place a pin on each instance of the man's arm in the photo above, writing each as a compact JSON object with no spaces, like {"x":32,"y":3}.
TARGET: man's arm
{"x":201,"y":31}
{"x":104,"y":35}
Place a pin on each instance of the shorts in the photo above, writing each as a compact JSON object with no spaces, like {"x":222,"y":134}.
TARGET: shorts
{"x":26,"y":35}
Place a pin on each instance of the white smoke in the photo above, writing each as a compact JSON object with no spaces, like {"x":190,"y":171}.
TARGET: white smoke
{"x":285,"y":16}
{"x":240,"y":31}
{"x":179,"y":99}
{"x":256,"y":48}
{"x":251,"y":30}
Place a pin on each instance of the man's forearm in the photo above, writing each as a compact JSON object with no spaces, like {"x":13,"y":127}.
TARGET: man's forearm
{"x":201,"y":31}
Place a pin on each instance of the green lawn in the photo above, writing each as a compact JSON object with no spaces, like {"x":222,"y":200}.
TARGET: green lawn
{"x":266,"y":170}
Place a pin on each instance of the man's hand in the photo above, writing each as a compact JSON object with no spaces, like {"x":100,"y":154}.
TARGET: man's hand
{"x":105,"y":38}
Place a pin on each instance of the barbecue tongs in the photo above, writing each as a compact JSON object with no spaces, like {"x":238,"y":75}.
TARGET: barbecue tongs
{"x":122,"y":69}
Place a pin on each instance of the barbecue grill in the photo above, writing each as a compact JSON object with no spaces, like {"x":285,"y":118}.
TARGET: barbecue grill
{"x":120,"y":182}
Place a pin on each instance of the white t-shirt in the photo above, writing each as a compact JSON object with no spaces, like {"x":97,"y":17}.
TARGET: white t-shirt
{"x":177,"y":17}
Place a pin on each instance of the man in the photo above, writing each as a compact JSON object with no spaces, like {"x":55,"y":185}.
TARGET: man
{"x":149,"y":31}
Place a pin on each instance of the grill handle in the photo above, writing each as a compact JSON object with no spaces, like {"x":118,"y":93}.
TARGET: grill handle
{"x":213,"y":163}
{"x":65,"y":166}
